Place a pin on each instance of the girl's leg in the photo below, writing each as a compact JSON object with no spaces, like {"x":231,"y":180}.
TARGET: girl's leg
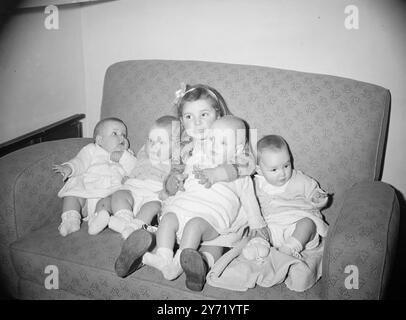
{"x":122,"y":203}
{"x":305,"y":230}
{"x":101,"y":217}
{"x":196,"y":231}
{"x":162,"y":259}
{"x":71,"y":217}
{"x":196,"y":264}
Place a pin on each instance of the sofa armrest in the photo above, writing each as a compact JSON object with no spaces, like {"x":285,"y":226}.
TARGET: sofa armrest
{"x":363,"y":239}
{"x":29,"y":187}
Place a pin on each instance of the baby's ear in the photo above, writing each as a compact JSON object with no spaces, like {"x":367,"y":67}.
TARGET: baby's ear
{"x":98,"y":139}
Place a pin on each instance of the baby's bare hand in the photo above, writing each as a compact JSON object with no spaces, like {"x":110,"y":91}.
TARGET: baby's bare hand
{"x":64,"y":170}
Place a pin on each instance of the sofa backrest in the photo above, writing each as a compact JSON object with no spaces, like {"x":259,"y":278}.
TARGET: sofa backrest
{"x":336,"y":127}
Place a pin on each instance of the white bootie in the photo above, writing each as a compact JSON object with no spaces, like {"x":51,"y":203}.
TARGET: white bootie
{"x":98,"y":222}
{"x":70,"y":222}
{"x":256,"y":249}
{"x":120,"y":220}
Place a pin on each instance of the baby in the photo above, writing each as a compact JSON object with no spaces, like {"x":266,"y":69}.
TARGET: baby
{"x":139,"y":195}
{"x":202,"y":214}
{"x":290,"y":201}
{"x":94,"y":174}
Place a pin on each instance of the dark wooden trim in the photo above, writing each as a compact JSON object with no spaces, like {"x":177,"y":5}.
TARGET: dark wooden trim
{"x":70,"y":127}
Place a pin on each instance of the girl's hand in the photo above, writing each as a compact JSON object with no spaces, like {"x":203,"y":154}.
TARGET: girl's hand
{"x":261,"y":232}
{"x":210,"y":176}
{"x":64,"y":169}
{"x":115,"y":156}
{"x":174,"y":182}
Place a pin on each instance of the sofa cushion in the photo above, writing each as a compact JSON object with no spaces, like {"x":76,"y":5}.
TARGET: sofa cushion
{"x":86,"y":268}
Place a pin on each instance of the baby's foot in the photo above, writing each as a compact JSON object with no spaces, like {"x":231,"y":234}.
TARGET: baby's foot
{"x":98,"y":222}
{"x":292,"y":247}
{"x":70,"y":222}
{"x":256,"y":249}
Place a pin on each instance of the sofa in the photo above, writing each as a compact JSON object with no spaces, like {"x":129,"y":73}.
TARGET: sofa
{"x":336,"y":127}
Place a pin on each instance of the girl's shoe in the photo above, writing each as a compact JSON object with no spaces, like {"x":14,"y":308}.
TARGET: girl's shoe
{"x":195,"y":268}
{"x":134,"y":247}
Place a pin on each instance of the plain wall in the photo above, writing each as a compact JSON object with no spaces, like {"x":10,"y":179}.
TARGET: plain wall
{"x":62,"y":73}
{"x":41,"y":71}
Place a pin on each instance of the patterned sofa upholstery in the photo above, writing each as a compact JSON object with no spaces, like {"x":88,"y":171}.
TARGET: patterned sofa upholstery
{"x":336,"y":128}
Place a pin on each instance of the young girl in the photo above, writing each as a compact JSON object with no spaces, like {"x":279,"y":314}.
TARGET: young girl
{"x":202,"y":214}
{"x":198,"y":106}
{"x":139,"y":194}
{"x":93,"y":175}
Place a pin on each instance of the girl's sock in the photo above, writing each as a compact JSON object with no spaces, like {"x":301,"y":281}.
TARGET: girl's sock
{"x":98,"y":222}
{"x":159,"y":259}
{"x":173,"y":269}
{"x":120,"y":220}
{"x":70,"y":222}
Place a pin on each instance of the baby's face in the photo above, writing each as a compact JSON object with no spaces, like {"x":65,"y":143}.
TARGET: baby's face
{"x":275,"y":166}
{"x":224,"y":141}
{"x":158,"y":146}
{"x":197,"y":116}
{"x":113,"y":137}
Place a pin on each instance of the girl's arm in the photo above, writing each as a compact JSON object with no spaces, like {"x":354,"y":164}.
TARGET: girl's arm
{"x":244,"y":166}
{"x":256,"y":222}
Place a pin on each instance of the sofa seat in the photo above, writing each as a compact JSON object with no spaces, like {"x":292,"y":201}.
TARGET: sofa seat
{"x":86,"y":269}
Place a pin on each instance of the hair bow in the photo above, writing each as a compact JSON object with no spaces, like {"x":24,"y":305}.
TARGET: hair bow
{"x":180,"y":93}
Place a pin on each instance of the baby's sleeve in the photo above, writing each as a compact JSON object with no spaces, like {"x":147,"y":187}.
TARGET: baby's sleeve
{"x":128,"y":161}
{"x":82,"y":161}
{"x":250,"y":203}
{"x":317,"y":196}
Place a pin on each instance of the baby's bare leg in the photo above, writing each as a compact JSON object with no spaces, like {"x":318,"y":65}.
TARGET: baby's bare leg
{"x":148,"y":211}
{"x":122,"y":199}
{"x":305,"y":231}
{"x":104,"y":204}
{"x":73,"y":203}
{"x":196,"y":231}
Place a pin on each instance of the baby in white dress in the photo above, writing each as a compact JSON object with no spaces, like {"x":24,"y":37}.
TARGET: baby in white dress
{"x":93,"y":175}
{"x":290,"y":202}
